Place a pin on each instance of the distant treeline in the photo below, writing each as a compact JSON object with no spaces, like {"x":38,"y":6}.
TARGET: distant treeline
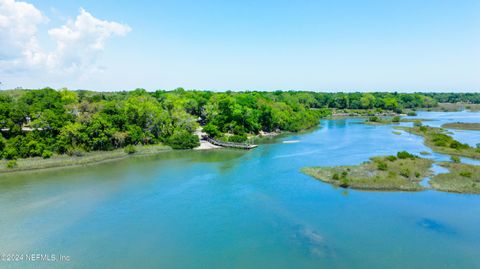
{"x":46,"y":121}
{"x":471,"y":98}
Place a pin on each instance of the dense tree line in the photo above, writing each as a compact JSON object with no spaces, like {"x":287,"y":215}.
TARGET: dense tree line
{"x":378,"y":100}
{"x":43,"y":122}
{"x":46,"y":121}
{"x":471,"y":98}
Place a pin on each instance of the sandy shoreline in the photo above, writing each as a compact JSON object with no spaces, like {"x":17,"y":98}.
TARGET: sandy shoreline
{"x":206,"y":145}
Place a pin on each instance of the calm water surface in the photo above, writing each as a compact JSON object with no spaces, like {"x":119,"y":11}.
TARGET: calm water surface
{"x":239,"y":209}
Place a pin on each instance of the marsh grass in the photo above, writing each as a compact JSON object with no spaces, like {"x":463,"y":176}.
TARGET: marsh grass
{"x":462,"y":126}
{"x":452,"y":107}
{"x":439,"y":141}
{"x":390,"y":120}
{"x":461,"y":178}
{"x":387,"y":173}
{"x":87,"y":158}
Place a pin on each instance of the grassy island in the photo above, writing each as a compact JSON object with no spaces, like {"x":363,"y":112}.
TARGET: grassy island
{"x":374,"y":120}
{"x":388,"y":173}
{"x":439,"y":141}
{"x":462,"y":126}
{"x":449,"y":106}
{"x":461,"y":178}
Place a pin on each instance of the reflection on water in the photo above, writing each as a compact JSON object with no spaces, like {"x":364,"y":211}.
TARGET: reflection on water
{"x":243,"y":209}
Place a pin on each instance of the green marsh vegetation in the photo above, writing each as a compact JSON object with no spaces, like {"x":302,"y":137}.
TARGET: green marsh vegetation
{"x":82,"y":159}
{"x":455,"y":101}
{"x":439,"y":141}
{"x":462,"y":126}
{"x":461,"y":178}
{"x":376,"y":120}
{"x":453,"y":107}
{"x":402,"y":172}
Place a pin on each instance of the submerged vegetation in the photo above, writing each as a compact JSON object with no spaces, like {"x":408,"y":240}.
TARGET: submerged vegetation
{"x":389,"y":173}
{"x":439,"y":141}
{"x":462,"y":126}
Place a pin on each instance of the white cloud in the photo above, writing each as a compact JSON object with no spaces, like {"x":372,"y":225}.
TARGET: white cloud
{"x":18,"y":29}
{"x":78,"y":43}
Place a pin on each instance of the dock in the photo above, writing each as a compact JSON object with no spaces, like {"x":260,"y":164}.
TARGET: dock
{"x":229,"y":144}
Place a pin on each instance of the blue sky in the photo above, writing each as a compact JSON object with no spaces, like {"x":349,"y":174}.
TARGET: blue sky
{"x":255,"y":45}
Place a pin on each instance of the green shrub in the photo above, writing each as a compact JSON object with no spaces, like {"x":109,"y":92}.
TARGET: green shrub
{"x":417,"y":123}
{"x":47,"y":154}
{"x":373,"y":119}
{"x":237,"y":138}
{"x":396,"y":119}
{"x":10,"y":153}
{"x":466,"y":174}
{"x":182,"y":139}
{"x":457,"y":145}
{"x":412,"y":113}
{"x":344,"y":182}
{"x":130,"y":149}
{"x":239,"y":130}
{"x":3,"y":142}
{"x":455,"y":159}
{"x":336,"y":176}
{"x":391,"y":158}
{"x":417,"y":174}
{"x":212,"y":130}
{"x":222,"y":138}
{"x":405,"y":155}
{"x":75,"y":152}
{"x":405,"y":172}
{"x":382,"y":166}
{"x":443,"y":138}
{"x":12,"y":164}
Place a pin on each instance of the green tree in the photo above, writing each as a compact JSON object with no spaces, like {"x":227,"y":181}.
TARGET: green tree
{"x":182,"y":139}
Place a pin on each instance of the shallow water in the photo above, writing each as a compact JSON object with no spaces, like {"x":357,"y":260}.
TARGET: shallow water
{"x":242,"y":209}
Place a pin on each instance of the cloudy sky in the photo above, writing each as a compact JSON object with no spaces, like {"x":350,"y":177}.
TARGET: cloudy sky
{"x":402,"y":45}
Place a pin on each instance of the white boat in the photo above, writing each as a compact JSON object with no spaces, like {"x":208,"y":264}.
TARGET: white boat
{"x":290,"y":141}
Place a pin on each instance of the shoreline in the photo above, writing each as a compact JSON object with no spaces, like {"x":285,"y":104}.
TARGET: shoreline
{"x":98,"y":157}
{"x":37,"y":164}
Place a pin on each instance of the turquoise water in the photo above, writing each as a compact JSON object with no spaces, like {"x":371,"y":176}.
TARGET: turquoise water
{"x":242,"y":209}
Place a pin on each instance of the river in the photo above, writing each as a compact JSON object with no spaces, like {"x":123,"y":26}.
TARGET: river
{"x":242,"y":209}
